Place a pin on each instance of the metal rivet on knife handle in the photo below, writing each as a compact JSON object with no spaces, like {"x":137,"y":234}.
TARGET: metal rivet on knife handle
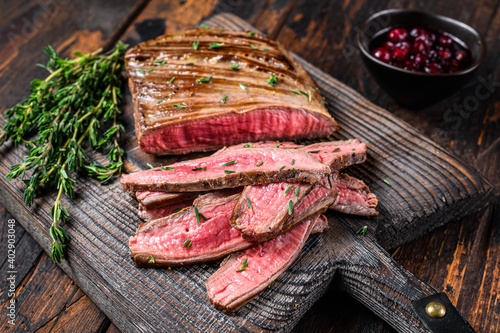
{"x":435,"y":309}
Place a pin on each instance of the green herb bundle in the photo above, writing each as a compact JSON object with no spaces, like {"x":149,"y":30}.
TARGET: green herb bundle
{"x":63,"y":112}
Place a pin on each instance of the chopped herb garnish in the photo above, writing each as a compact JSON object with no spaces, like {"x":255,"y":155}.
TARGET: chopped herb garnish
{"x":215,"y":45}
{"x":245,"y":263}
{"x":152,"y":258}
{"x":229,"y":171}
{"x":187,"y":242}
{"x":235,"y":67}
{"x":196,"y":44}
{"x":362,"y":230}
{"x":150,"y":70}
{"x":189,"y":63}
{"x":249,"y":204}
{"x":264,"y":50}
{"x":224,"y":99}
{"x":221,"y":31}
{"x":197,"y":213}
{"x":273,"y":80}
{"x":314,"y":151}
{"x":387,"y":182}
{"x":303,"y":92}
{"x":282,"y":167}
{"x":295,"y":92}
{"x":241,"y":270}
{"x":324,"y":102}
{"x":288,"y":189}
{"x":251,"y":33}
{"x":353,"y":149}
{"x":229,"y":163}
{"x":161,"y":100}
{"x":290,"y":207}
{"x":242,"y":86}
{"x":293,"y":162}
{"x":205,"y":79}
{"x":172,"y":80}
{"x":297,"y":189}
{"x":140,"y":70}
{"x":271,"y":285}
{"x":180,"y":106}
{"x":150,"y":166}
{"x":309,"y":94}
{"x":254,"y":47}
{"x":166,"y":168}
{"x":177,"y":210}
{"x":335,"y":150}
{"x":293,"y":169}
{"x":204,"y":26}
{"x":276,"y":146}
{"x":199,"y":168}
{"x":249,"y":146}
{"x":260,"y":163}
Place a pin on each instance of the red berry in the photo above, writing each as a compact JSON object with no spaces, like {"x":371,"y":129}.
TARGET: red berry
{"x":433,"y":68}
{"x":445,"y":41}
{"x":445,"y":54}
{"x":401,"y":51}
{"x":425,"y":38}
{"x":382,"y":54}
{"x":461,"y":56}
{"x":419,"y":47}
{"x":388,"y":45}
{"x":419,"y":60}
{"x":398,"y":35}
{"x":417,"y":31}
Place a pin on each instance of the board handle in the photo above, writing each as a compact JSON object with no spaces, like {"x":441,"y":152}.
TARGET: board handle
{"x":370,"y":275}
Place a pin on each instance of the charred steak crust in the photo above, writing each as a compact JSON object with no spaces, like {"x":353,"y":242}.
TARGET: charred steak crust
{"x":165,"y":73}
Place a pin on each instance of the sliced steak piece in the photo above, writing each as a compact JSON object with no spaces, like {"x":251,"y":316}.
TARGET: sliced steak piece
{"x":354,"y":197}
{"x":262,"y":210}
{"x":157,"y":199}
{"x":188,"y":100}
{"x":315,"y":203}
{"x":244,"y":275}
{"x":178,"y":239}
{"x":156,"y":213}
{"x":228,"y":170}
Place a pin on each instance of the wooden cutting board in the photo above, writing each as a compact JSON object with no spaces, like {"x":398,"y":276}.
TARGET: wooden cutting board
{"x":429,"y":187}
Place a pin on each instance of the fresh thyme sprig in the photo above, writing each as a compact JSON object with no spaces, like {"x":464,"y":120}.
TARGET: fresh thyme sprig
{"x":64,"y":111}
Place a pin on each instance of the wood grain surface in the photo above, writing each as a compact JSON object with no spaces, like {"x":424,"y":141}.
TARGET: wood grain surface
{"x":285,"y":20}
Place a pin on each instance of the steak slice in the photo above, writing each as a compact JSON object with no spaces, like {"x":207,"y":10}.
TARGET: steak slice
{"x":354,"y":197}
{"x":213,"y":172}
{"x":178,"y":239}
{"x":156,"y":213}
{"x":262,"y":210}
{"x":155,"y":199}
{"x":243,"y":275}
{"x":179,"y":92}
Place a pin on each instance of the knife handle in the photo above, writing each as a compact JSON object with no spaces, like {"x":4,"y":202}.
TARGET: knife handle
{"x":370,"y":275}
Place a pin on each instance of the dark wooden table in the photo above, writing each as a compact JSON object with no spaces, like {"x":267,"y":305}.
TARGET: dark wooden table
{"x":462,"y":258}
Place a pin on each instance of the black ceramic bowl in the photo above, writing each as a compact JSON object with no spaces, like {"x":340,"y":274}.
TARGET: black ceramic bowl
{"x":418,"y":89}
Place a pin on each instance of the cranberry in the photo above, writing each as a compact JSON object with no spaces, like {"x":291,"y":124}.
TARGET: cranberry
{"x":401,"y":51}
{"x":445,"y":41}
{"x":445,"y":54}
{"x":425,"y":38}
{"x":419,"y":60}
{"x":409,"y":65}
{"x":420,"y":47}
{"x":433,"y":68}
{"x":461,"y":56}
{"x":398,"y":35}
{"x":417,"y":31}
{"x":432,"y":55}
{"x":382,"y":54}
{"x":388,"y":45}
